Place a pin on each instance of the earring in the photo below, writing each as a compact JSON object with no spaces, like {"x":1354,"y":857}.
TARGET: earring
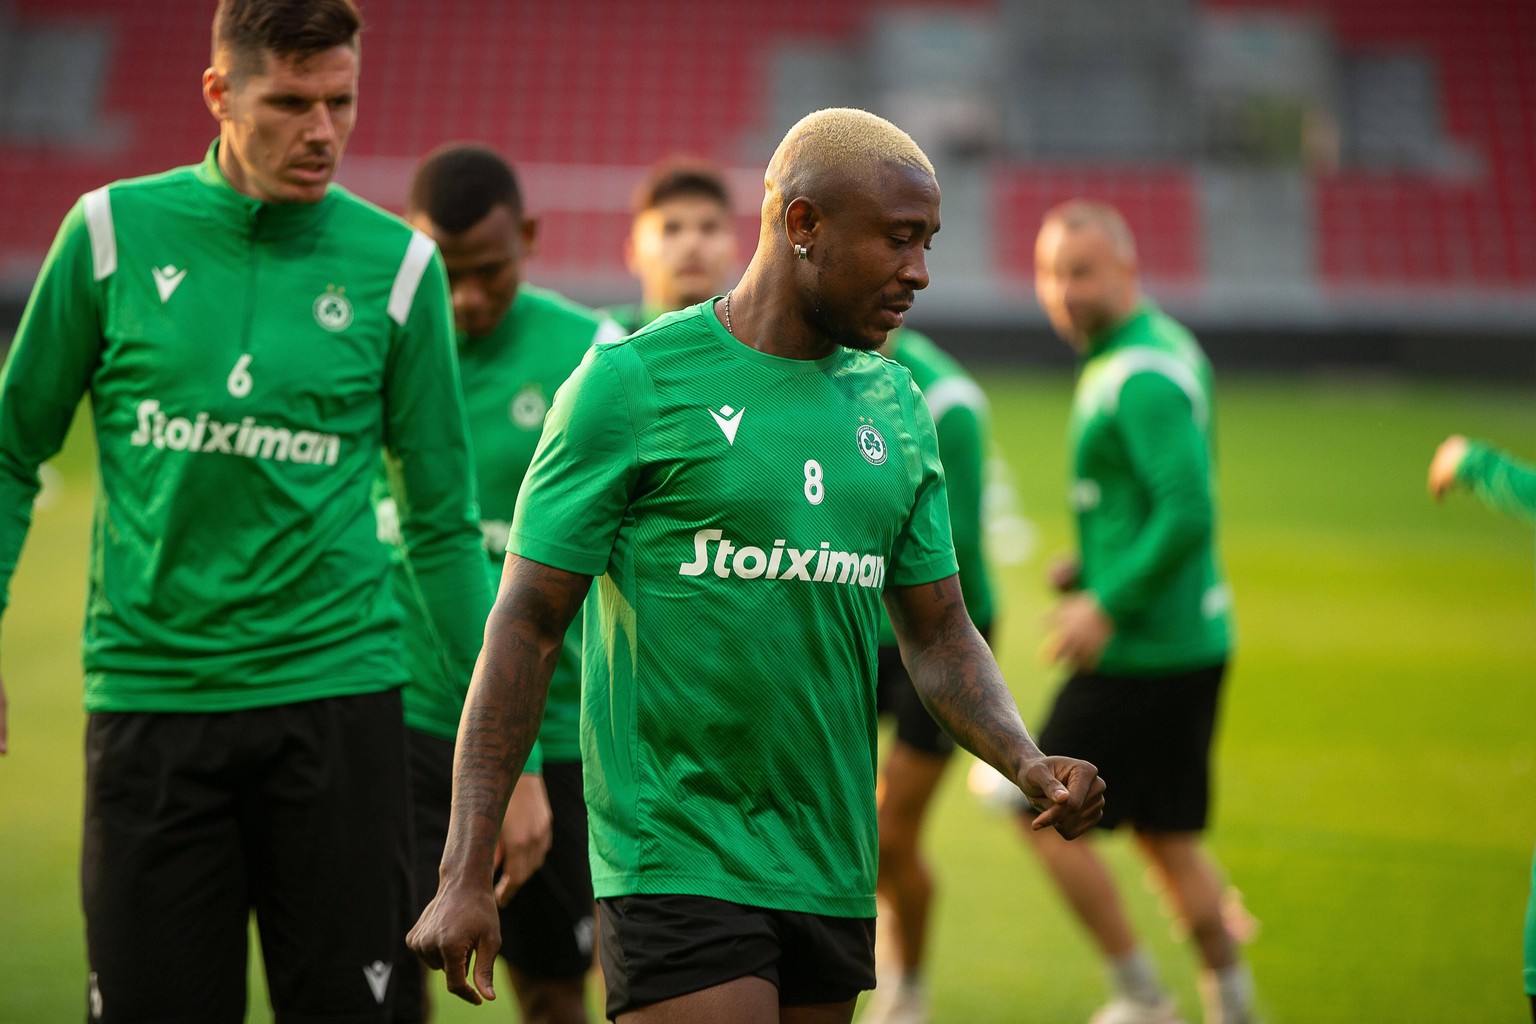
{"x":802,"y":252}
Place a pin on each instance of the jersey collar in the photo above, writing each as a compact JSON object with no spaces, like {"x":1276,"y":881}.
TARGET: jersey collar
{"x":272,"y":219}
{"x":1110,"y":335}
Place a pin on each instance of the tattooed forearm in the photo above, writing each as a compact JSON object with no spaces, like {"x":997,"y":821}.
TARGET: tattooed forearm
{"x":505,"y":705}
{"x":957,"y":677}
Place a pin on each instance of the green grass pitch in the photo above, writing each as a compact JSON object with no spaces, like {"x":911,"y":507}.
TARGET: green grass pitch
{"x":1376,"y":800}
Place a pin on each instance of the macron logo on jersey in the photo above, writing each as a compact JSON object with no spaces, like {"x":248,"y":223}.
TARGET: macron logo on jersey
{"x":247,"y":438}
{"x":729,"y":419}
{"x":811,"y":565}
{"x":167,"y":278}
{"x":377,"y":974}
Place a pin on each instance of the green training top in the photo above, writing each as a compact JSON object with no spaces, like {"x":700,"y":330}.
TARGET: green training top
{"x":245,"y":362}
{"x":1142,"y":441}
{"x":1499,"y":480}
{"x":509,"y":378}
{"x":744,"y":512}
{"x":959,"y":410}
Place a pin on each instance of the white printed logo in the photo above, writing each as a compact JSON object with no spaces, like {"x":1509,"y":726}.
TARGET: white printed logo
{"x":528,"y":408}
{"x":729,"y":419}
{"x":377,"y":974}
{"x":247,"y":438}
{"x":812,"y":565}
{"x":97,"y":1006}
{"x":333,"y":310}
{"x":871,"y":444}
{"x":166,"y":280}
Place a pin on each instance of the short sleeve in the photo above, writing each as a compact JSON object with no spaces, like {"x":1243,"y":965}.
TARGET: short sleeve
{"x":924,"y":550}
{"x":583,"y":472}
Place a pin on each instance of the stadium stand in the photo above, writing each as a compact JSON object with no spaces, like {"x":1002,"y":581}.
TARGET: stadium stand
{"x":1394,"y":151}
{"x":1473,"y":223}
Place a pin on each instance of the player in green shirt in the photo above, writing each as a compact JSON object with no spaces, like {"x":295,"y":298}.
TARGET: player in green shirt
{"x":1504,"y":483}
{"x":682,"y":242}
{"x":1144,"y":623}
{"x":921,"y":750}
{"x":747,"y":479}
{"x":517,"y":345}
{"x":681,"y":248}
{"x":248,"y":337}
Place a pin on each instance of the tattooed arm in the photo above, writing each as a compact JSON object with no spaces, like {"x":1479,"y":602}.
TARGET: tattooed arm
{"x":501,"y":718}
{"x":962,"y":688}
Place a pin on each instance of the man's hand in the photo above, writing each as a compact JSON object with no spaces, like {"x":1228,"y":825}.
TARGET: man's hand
{"x":1080,"y":631}
{"x":1066,"y":574}
{"x":457,"y":923}
{"x":525,"y":836}
{"x":1447,"y":460}
{"x":1067,"y":792}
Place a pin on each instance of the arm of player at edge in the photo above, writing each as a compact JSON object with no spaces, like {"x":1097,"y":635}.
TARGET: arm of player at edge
{"x":523,"y":636}
{"x":52,"y":357}
{"x":961,"y":686}
{"x":1496,"y":478}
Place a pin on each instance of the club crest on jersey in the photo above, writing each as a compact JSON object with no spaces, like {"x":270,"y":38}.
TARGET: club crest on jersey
{"x":528,"y":407}
{"x":333,"y":310}
{"x":871,"y":444}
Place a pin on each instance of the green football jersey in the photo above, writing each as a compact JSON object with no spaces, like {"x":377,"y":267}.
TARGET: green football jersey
{"x":743,"y":513}
{"x":509,"y":378}
{"x":959,"y":410}
{"x":1142,"y":441}
{"x":245,"y":362}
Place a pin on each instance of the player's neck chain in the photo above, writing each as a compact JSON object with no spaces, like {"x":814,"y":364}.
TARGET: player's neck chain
{"x":728,"y":314}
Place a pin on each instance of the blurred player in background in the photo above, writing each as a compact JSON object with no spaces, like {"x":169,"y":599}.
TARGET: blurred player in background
{"x":249,"y":336}
{"x":1506,"y":484}
{"x":682,"y":243}
{"x":748,"y":480}
{"x":1144,"y":621}
{"x":517,"y":345}
{"x":921,"y":749}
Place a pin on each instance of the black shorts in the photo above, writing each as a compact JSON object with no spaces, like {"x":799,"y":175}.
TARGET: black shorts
{"x":431,"y":786}
{"x":660,"y":947}
{"x":297,"y":812}
{"x":547,"y":929}
{"x":896,"y":695}
{"x":1149,"y":736}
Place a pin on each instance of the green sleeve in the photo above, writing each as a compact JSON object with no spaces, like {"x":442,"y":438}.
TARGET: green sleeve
{"x":428,"y":437}
{"x":55,"y":351}
{"x":1171,"y":459}
{"x":962,"y":446}
{"x":1499,"y":480}
{"x":924,"y":550}
{"x":584,"y":471}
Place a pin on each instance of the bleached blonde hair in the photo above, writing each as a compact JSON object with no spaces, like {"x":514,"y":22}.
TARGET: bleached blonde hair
{"x":830,"y":148}
{"x":1075,"y":214}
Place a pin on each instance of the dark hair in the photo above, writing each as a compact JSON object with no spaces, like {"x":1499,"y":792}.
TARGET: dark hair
{"x":288,"y":28}
{"x":680,"y":177}
{"x":458,"y":184}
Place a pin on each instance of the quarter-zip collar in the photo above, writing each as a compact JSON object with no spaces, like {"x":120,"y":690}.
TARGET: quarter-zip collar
{"x":276,"y":220}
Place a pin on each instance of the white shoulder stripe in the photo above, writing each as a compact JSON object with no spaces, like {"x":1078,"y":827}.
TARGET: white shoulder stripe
{"x":417,"y":255}
{"x":950,"y":392}
{"x":98,"y":223}
{"x":1141,"y":360}
{"x":608,"y":332}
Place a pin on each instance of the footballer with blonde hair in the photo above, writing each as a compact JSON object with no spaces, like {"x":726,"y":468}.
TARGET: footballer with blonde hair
{"x":748,"y":481}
